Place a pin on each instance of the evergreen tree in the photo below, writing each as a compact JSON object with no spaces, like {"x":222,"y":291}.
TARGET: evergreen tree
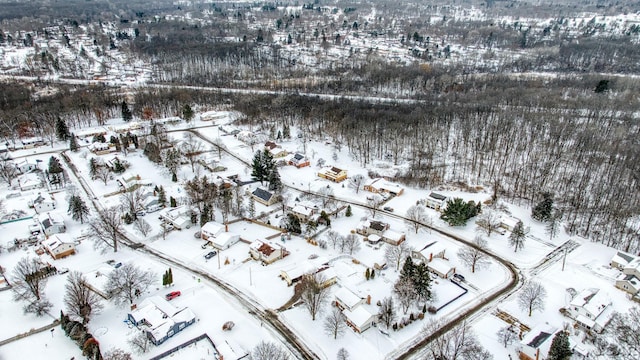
{"x":174,"y":177}
{"x":348,"y":213}
{"x":62,"y":131}
{"x":187,"y":113}
{"x":275,"y":184}
{"x":262,"y":166}
{"x":126,"y":112}
{"x":93,"y":167}
{"x":373,"y":273}
{"x":252,"y":207}
{"x":78,"y":209}
{"x":542,"y":211}
{"x":517,"y":237}
{"x":172,"y":202}
{"x":170,"y":277}
{"x":458,"y":212}
{"x":73,"y":143}
{"x":162,"y":197}
{"x":54,"y":165}
{"x":422,"y":282}
{"x":286,"y":131}
{"x":165,"y":278}
{"x":408,"y":269}
{"x":367,"y":274}
{"x":560,"y":348}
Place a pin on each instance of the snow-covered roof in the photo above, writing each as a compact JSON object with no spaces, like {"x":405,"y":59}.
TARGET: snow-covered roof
{"x":358,"y":316}
{"x":392,"y":235}
{"x":224,"y":238}
{"x":622,"y":258}
{"x":433,"y":248}
{"x":384,"y":185}
{"x":593,"y":300}
{"x":57,"y":240}
{"x":439,"y":265}
{"x":347,"y":297}
{"x":212,"y":228}
{"x":302,"y":210}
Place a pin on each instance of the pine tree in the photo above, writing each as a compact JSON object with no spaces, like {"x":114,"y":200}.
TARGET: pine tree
{"x":165,"y":278}
{"x":458,"y":212}
{"x":560,"y":348}
{"x":286,"y":131}
{"x":187,"y":113}
{"x":174,"y":177}
{"x":348,"y":213}
{"x":542,"y":211}
{"x":170,"y":278}
{"x":126,"y":113}
{"x":78,"y":209}
{"x":73,"y":143}
{"x":93,"y":167}
{"x":373,"y":274}
{"x":275,"y":184}
{"x":408,"y":269}
{"x":517,"y":237}
{"x":367,"y":274}
{"x":172,"y":202}
{"x":62,"y":131}
{"x":162,"y":197}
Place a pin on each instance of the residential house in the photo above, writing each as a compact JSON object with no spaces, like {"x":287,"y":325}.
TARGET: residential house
{"x":270,"y":145}
{"x":298,"y":160}
{"x":296,"y":272}
{"x":150,"y":202}
{"x":29,"y":181}
{"x":130,"y":182}
{"x":210,"y":230}
{"x":333,"y":173}
{"x":302,"y":212}
{"x":591,"y":309}
{"x":277,"y":151}
{"x":382,"y":186}
{"x":436,"y":201}
{"x":225,"y":240}
{"x":347,"y":299}
{"x":59,"y":246}
{"x":359,"y":319}
{"x":101,"y":148}
{"x":51,"y":224}
{"x":628,"y":283}
{"x":536,"y":343}
{"x":267,"y":251}
{"x":179,"y":217}
{"x":441,"y":267}
{"x":429,"y":252}
{"x":264,"y":197}
{"x":379,"y":228}
{"x":160,"y":319}
{"x":621,"y":260}
{"x":26,"y":166}
{"x":32,"y":142}
{"x":43,"y":203}
{"x":508,"y":223}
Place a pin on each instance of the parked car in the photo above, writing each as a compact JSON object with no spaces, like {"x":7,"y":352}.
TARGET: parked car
{"x":63,"y":270}
{"x":172,"y":295}
{"x":210,"y":254}
{"x":388,"y":208}
{"x":140,"y":213}
{"x":117,"y":265}
{"x":458,"y":277}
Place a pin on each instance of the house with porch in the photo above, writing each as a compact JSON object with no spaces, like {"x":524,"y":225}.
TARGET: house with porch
{"x":59,"y":246}
{"x":160,"y":319}
{"x":267,"y":251}
{"x":333,"y":173}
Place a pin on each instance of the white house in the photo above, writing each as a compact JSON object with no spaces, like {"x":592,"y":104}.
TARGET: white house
{"x":43,"y":203}
{"x":621,"y":260}
{"x":266,"y":251}
{"x":347,"y":299}
{"x":29,"y":182}
{"x":441,"y":267}
{"x":179,"y":217}
{"x":436,"y":201}
{"x":536,"y":343}
{"x":359,"y":319}
{"x":225,"y":240}
{"x":159,"y":319}
{"x":432,"y":250}
{"x":210,"y":230}
{"x":59,"y":246}
{"x":303,"y":213}
{"x":26,"y":166}
{"x":591,"y":309}
{"x":51,"y":223}
{"x":380,"y":185}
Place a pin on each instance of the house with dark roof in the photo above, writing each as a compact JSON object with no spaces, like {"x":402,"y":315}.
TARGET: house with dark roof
{"x":264,"y":197}
{"x":51,"y":224}
{"x":435,"y":201}
{"x":620,"y":260}
{"x":160,"y":319}
{"x":536,"y":343}
{"x":333,"y":173}
{"x":298,"y":160}
{"x":373,"y":228}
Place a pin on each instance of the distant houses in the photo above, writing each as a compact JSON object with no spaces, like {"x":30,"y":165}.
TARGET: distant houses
{"x":160,"y":319}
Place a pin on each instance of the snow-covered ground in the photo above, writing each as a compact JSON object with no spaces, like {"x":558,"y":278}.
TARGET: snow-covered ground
{"x":586,"y":266}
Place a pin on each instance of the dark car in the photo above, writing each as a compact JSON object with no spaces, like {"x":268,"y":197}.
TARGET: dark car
{"x":388,"y":208}
{"x":210,"y":254}
{"x":172,"y":295}
{"x":458,"y":277}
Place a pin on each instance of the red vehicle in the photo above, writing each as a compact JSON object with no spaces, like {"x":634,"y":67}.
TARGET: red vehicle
{"x":172,"y":295}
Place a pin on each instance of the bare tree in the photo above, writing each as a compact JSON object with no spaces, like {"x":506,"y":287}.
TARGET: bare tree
{"x":29,"y":279}
{"x":405,"y":291}
{"x":191,"y":147}
{"x":532,"y":297}
{"x":373,"y":204}
{"x":334,"y":324}
{"x":417,"y":217}
{"x":314,"y":294}
{"x":268,"y":351}
{"x":342,"y":354}
{"x":625,"y":329}
{"x":334,"y":238}
{"x":107,"y":229}
{"x":553,"y":225}
{"x":517,"y":237}
{"x":458,"y":343}
{"x":103,"y":173}
{"x":325,"y":195}
{"x":8,"y":170}
{"x":116,"y":354}
{"x":131,"y":201}
{"x":387,"y":312}
{"x":79,"y":299}
{"x":473,"y":256}
{"x":507,"y":335}
{"x":127,"y":282}
{"x":140,"y":342}
{"x":488,"y":222}
{"x":352,"y":243}
{"x":356,"y":181}
{"x":394,"y":254}
{"x":142,"y":226}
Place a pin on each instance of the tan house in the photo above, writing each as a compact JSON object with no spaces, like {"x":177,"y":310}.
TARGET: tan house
{"x":382,"y":186}
{"x":333,"y":173}
{"x":59,"y":246}
{"x":264,"y":197}
{"x":266,"y":251}
{"x":379,"y":228}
